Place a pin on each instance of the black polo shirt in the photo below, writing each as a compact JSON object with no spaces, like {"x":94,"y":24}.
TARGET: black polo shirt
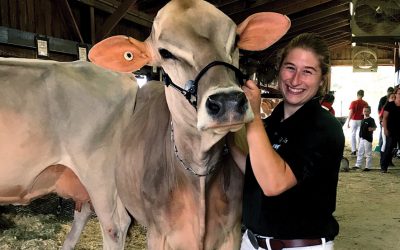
{"x":311,"y":141}
{"x":393,"y":120}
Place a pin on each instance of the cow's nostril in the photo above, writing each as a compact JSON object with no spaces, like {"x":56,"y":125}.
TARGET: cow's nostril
{"x":213,"y":105}
{"x":241,"y":102}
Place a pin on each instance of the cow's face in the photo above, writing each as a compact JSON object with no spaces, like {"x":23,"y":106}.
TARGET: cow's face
{"x":185,"y":39}
{"x":187,"y":35}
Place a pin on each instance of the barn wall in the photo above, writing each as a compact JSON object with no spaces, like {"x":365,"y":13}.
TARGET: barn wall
{"x":51,"y":18}
{"x":342,"y":56}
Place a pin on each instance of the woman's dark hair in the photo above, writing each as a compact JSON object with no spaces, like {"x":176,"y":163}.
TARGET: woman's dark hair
{"x":329,"y":98}
{"x":315,"y":43}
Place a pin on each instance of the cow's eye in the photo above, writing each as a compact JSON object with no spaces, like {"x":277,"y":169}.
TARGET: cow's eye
{"x":165,"y":54}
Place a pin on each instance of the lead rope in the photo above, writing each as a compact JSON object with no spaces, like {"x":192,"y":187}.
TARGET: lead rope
{"x":188,"y":168}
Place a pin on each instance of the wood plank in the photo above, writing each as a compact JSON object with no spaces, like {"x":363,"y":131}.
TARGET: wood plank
{"x":397,"y":62}
{"x":69,"y":19}
{"x":23,"y":15}
{"x":4,"y":10}
{"x":13,"y":14}
{"x":287,"y":7}
{"x":30,"y":10}
{"x":15,"y":51}
{"x":133,"y":16}
{"x":48,"y":15}
{"x":92,"y":26}
{"x":40,"y":17}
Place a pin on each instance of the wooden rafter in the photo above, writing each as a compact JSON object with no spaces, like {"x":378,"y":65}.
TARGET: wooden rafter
{"x":66,"y":12}
{"x":137,"y":17}
{"x":114,"y":18}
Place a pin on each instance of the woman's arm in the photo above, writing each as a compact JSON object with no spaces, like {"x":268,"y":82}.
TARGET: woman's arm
{"x":273,"y":174}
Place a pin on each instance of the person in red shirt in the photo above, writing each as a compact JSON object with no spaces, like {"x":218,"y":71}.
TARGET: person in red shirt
{"x":355,"y":118}
{"x":327,"y":103}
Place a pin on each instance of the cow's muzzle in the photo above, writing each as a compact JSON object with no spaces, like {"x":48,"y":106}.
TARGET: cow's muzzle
{"x":222,"y":103}
{"x":190,"y":91}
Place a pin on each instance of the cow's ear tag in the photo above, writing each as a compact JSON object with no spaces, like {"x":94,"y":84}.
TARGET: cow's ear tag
{"x":128,"y":56}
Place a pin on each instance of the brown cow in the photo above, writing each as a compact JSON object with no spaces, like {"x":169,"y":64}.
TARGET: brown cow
{"x":175,"y":176}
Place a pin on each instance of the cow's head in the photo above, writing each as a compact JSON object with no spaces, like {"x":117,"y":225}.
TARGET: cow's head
{"x":188,"y":36}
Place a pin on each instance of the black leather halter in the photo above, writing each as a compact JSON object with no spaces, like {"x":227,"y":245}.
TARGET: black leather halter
{"x":191,"y":93}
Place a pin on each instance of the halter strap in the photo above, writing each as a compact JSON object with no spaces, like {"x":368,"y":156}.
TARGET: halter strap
{"x":191,"y":93}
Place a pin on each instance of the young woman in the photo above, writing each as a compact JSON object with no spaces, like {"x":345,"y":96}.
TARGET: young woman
{"x":291,"y":171}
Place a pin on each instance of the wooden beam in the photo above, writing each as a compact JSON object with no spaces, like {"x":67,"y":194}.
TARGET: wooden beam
{"x":349,"y":62}
{"x":322,"y":24}
{"x":114,"y":19}
{"x":66,"y":12}
{"x":25,"y":39}
{"x":338,"y":44}
{"x":319,"y":15}
{"x":282,"y":6}
{"x":333,"y":26}
{"x":92,"y":25}
{"x":397,"y":60}
{"x":336,"y":36}
{"x":339,"y":30}
{"x":133,"y":16}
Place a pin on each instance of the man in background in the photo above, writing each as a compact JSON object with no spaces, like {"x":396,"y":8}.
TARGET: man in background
{"x":355,"y":118}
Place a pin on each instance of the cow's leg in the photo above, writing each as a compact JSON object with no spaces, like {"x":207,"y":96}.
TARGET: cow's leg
{"x":155,"y":241}
{"x":114,"y":221}
{"x":80,"y":219}
{"x":232,"y":240}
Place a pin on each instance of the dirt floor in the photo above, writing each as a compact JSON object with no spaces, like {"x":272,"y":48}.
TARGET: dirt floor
{"x":368,"y":211}
{"x":368,"y":208}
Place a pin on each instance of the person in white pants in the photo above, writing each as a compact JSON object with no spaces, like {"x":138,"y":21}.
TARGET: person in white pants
{"x":367,"y":128}
{"x":355,"y":117}
{"x":355,"y":131}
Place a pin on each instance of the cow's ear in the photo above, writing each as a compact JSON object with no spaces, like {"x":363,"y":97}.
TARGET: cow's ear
{"x":261,"y":30}
{"x":120,"y":53}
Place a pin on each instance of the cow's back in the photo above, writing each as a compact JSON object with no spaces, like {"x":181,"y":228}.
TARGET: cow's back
{"x":54,"y":113}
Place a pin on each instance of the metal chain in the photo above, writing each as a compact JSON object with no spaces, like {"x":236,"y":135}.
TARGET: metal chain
{"x":188,"y":168}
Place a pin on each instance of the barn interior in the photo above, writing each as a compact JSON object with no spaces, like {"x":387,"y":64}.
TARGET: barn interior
{"x":363,"y":34}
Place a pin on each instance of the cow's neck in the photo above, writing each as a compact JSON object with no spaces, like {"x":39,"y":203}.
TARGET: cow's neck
{"x":198,"y":152}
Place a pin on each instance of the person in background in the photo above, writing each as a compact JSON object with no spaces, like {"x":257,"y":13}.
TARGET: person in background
{"x":382,"y":102}
{"x":327,"y":102}
{"x":384,"y":98}
{"x":382,"y":144}
{"x":355,"y":117}
{"x":291,"y":171}
{"x":391,"y":125}
{"x":367,"y":128}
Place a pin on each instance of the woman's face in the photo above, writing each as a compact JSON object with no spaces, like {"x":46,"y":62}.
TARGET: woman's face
{"x":299,"y":77}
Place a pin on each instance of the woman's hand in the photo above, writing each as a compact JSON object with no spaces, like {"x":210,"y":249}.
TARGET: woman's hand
{"x":253,"y":94}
